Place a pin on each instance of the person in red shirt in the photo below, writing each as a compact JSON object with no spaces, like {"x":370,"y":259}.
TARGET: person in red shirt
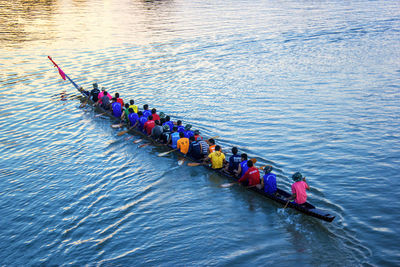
{"x":119,"y":100}
{"x":155,"y":115}
{"x":251,"y":176}
{"x":149,"y":125}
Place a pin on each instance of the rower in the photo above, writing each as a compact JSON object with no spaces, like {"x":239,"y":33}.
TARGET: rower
{"x":119,"y":100}
{"x":181,"y":129}
{"x":104,"y":101}
{"x":169,"y":123}
{"x":125,"y":113}
{"x":142,"y":120}
{"x":133,"y":106}
{"x":94,"y":93}
{"x":116,"y":108}
{"x":173,"y":139}
{"x":234,"y":161}
{"x":251,"y":177}
{"x":217,"y":158}
{"x":154,"y":114}
{"x":101,"y":94}
{"x":183,"y":143}
{"x":133,"y":118}
{"x":269,"y":180}
{"x":188,"y":132}
{"x":195,"y":149}
{"x":211,"y":143}
{"x":149,"y":125}
{"x":204,"y":147}
{"x":197,"y":135}
{"x":299,"y":188}
{"x":242,"y":168}
{"x":146,"y":111}
{"x":157,"y":130}
{"x":165,"y":135}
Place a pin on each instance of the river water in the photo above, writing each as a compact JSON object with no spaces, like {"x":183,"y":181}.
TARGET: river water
{"x":310,"y":86}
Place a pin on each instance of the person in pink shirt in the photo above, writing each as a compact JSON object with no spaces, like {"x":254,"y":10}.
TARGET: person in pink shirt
{"x":299,"y":188}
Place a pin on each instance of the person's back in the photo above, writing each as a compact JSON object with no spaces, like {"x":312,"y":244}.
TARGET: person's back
{"x":195,"y":149}
{"x":252,"y":176}
{"x":165,"y":136}
{"x":169,"y":123}
{"x":299,"y":188}
{"x":174,"y":137}
{"x":146,"y":111}
{"x":197,"y":135}
{"x":133,"y":118}
{"x":181,"y":129}
{"x":95,"y":93}
{"x":119,"y":100}
{"x":212,"y":146}
{"x":142,"y":120}
{"x":269,"y":181}
{"x":133,"y":106}
{"x":149,"y":125}
{"x":217,"y":158}
{"x":242,"y":168}
{"x":204,"y":147}
{"x":182,"y":144}
{"x":157,"y":130}
{"x":234,"y":160}
{"x":154,"y":114}
{"x":116,"y":108}
{"x":105,"y":101}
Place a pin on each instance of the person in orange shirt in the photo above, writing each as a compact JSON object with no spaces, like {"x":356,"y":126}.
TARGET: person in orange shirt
{"x":183,"y":143}
{"x":211,"y":144}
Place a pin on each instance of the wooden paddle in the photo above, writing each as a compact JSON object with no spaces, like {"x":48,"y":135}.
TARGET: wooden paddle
{"x":166,"y":153}
{"x":98,"y":115}
{"x":228,"y":185}
{"x":119,"y":125}
{"x":287,"y":203}
{"x":137,"y":141}
{"x":192,"y":164}
{"x":143,"y":145}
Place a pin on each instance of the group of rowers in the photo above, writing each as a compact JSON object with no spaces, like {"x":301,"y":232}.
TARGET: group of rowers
{"x":163,"y":130}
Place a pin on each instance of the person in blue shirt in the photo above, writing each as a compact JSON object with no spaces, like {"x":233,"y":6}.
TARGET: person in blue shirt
{"x":169,"y":123}
{"x":188,"y":132}
{"x":242,"y":167}
{"x":146,"y":111}
{"x":181,"y":129}
{"x":234,"y":161}
{"x":142,"y":120}
{"x":133,"y":118}
{"x":116,"y":108}
{"x":269,"y":180}
{"x":174,"y":137}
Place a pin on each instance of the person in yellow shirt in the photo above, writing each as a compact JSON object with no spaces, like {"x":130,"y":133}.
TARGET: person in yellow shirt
{"x":183,"y":143}
{"x":217,"y":158}
{"x":133,"y":106}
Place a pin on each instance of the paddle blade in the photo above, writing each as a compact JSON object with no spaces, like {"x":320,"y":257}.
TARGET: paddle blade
{"x":227,"y":185}
{"x":254,"y":160}
{"x":144,"y":145}
{"x":180,"y":162}
{"x":98,"y":115}
{"x":122,"y":133}
{"x":116,"y":125}
{"x":128,"y":138}
{"x":165,"y":153}
{"x":137,"y":141}
{"x":262,"y":167}
{"x":192,"y":164}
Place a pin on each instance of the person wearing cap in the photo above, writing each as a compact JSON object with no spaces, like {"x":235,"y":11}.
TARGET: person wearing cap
{"x":197,"y":135}
{"x":234,"y":161}
{"x":154,"y":114}
{"x":299,"y":188}
{"x":133,"y":106}
{"x":188,"y":132}
{"x":251,"y":177}
{"x":94,"y":93}
{"x":217,"y":158}
{"x":101,"y":94}
{"x":157,"y":130}
{"x":162,"y":115}
{"x":269,"y":180}
{"x":183,"y":143}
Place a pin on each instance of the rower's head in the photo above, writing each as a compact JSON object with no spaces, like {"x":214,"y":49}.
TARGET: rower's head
{"x":166,"y":128}
{"x":140,"y":113}
{"x":268,"y":169}
{"x":192,"y":139}
{"x":168,"y":118}
{"x":132,"y":102}
{"x":250,"y":163}
{"x":162,"y":115}
{"x":103,"y":89}
{"x":153,"y":111}
{"x":145,"y":107}
{"x":234,"y":150}
{"x":297,"y":176}
{"x":174,"y":129}
{"x":162,"y":120}
{"x":127,"y":106}
{"x":130,"y":110}
{"x":179,"y":122}
{"x":95,"y":86}
{"x":157,"y":122}
{"x":196,"y":132}
{"x":217,"y":148}
{"x":113,"y":99}
{"x":181,"y":134}
{"x":187,"y":127}
{"x":116,"y":95}
{"x":244,"y":156}
{"x":105,"y":92}
{"x":211,"y":141}
{"x":150,"y":118}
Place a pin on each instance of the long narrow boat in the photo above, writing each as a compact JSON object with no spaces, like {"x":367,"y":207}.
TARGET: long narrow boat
{"x":280,"y":196}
